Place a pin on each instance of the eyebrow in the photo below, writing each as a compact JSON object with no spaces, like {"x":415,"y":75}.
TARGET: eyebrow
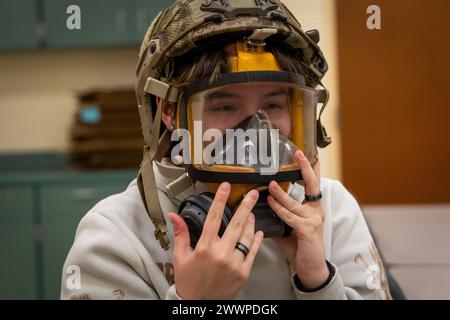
{"x":276,"y":92}
{"x":224,"y":94}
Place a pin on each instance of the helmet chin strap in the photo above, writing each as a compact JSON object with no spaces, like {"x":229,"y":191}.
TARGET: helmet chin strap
{"x":155,"y":149}
{"x":146,"y":179}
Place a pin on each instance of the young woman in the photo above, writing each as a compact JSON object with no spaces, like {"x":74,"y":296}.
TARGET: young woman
{"x":250,"y":217}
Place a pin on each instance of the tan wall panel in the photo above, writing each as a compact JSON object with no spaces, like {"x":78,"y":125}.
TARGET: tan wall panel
{"x":38,"y":90}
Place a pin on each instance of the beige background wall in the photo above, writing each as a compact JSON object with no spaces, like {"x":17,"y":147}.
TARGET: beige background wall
{"x":38,"y":92}
{"x":321,"y":15}
{"x":38,"y":89}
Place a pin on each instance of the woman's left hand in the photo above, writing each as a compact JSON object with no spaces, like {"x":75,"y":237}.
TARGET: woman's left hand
{"x":304,"y":249}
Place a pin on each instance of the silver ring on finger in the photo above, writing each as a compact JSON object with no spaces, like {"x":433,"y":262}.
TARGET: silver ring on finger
{"x":242,"y":248}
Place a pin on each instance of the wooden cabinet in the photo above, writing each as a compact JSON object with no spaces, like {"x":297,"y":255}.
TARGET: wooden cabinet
{"x":39,"y":214}
{"x":29,"y":24}
{"x":102,"y":23}
{"x":18,"y":273}
{"x":18,"y":23}
{"x":394,"y":97}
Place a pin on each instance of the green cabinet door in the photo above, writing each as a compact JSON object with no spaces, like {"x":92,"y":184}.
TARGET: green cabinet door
{"x":18,"y":24}
{"x":17,"y":247}
{"x":102,"y":23}
{"x":143,"y":13}
{"x":63,"y":204}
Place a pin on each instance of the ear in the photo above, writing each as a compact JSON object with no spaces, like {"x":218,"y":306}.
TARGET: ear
{"x":167,"y":116}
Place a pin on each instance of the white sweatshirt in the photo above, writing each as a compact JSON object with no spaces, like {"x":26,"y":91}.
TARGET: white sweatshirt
{"x":116,"y":256}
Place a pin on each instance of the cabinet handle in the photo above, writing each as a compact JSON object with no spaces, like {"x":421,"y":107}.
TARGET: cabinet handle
{"x":80,"y":194}
{"x":38,"y":233}
{"x":141,"y":21}
{"x":121,"y":21}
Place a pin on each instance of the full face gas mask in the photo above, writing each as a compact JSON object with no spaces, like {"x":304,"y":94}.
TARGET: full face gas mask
{"x":245,"y":129}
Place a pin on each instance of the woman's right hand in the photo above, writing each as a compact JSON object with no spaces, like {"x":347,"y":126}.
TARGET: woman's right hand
{"x":215,"y":269}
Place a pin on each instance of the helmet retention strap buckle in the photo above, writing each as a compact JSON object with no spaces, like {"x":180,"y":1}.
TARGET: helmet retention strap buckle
{"x":161,"y":89}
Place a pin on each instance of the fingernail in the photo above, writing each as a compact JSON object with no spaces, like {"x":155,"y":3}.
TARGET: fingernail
{"x":302,"y":155}
{"x":275,"y":185}
{"x":225,"y":187}
{"x":254,"y":194}
{"x":172,"y":218}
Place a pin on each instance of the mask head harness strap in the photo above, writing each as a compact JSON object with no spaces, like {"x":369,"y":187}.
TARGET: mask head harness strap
{"x":323,"y":140}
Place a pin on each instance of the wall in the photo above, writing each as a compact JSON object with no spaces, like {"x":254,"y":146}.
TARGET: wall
{"x":321,"y":15}
{"x":37,"y":89}
{"x":38,"y":92}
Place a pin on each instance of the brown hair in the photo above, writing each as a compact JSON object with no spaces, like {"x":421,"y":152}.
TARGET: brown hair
{"x":212,"y":63}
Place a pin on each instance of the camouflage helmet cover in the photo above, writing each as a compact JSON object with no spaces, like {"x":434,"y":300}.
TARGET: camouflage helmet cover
{"x":180,"y":28}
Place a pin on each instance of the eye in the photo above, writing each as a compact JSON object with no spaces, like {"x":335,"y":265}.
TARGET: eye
{"x":273,"y":106}
{"x":224,"y":108}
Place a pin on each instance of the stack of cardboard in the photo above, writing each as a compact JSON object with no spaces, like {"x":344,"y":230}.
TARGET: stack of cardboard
{"x":106,"y":133}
